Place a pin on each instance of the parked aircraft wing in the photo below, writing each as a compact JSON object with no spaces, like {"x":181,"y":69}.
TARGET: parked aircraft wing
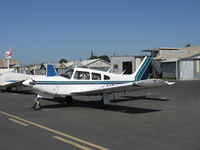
{"x":11,"y":83}
{"x":140,"y":85}
{"x":14,"y":79}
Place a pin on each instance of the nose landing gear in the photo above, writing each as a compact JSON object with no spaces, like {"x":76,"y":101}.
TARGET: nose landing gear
{"x":37,"y":105}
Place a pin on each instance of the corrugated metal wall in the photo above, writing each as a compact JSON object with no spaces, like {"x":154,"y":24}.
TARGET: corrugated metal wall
{"x":197,"y":69}
{"x":169,"y":70}
{"x":186,"y":69}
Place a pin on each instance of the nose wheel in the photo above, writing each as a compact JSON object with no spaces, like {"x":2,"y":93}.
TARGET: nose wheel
{"x":37,"y":105}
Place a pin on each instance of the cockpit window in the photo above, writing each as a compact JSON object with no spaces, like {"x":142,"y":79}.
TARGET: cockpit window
{"x":96,"y":76}
{"x":80,"y":75}
{"x":68,"y":74}
{"x":106,"y":77}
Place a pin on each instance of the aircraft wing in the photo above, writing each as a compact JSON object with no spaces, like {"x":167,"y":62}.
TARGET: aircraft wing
{"x":140,"y":85}
{"x":11,"y":83}
{"x":14,"y":79}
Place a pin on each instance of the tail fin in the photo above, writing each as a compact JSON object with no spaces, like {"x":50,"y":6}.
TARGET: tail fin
{"x":50,"y":71}
{"x":142,"y":71}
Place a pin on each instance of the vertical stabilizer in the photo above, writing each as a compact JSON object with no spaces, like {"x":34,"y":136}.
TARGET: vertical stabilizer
{"x":50,"y":71}
{"x":142,"y":71}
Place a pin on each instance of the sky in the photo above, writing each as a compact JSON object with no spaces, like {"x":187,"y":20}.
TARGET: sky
{"x":49,"y":30}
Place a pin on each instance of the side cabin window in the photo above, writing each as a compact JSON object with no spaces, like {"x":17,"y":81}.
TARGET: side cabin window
{"x":68,"y":74}
{"x":106,"y":77}
{"x":96,"y":76}
{"x":80,"y":75}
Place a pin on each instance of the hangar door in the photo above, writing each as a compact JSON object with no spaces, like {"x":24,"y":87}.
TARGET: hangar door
{"x":127,"y":66}
{"x":197,"y":69}
{"x":186,"y":69}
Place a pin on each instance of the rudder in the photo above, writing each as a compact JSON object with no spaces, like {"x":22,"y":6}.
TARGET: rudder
{"x":142,"y":71}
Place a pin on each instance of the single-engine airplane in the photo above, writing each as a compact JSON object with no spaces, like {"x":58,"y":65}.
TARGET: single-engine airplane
{"x":88,"y":82}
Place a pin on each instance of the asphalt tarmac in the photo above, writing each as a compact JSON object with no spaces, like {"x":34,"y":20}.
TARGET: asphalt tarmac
{"x":166,"y":118}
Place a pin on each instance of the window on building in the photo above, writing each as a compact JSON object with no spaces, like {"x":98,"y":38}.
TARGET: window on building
{"x":106,"y":77}
{"x":80,"y":75}
{"x":96,"y":76}
{"x":127,"y":67}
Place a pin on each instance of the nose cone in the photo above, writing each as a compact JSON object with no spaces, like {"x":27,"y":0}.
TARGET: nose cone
{"x":27,"y":82}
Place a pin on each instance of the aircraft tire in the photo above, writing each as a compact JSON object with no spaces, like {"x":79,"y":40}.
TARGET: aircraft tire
{"x":101,"y":102}
{"x":69,"y":99}
{"x":102,"y":105}
{"x":8,"y":89}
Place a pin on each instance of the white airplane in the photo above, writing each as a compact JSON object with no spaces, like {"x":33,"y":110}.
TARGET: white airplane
{"x":10,"y":80}
{"x":88,"y":82}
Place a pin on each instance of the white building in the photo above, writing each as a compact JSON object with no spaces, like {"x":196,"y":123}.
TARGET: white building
{"x":180,"y":63}
{"x":97,"y":64}
{"x":125,"y":63}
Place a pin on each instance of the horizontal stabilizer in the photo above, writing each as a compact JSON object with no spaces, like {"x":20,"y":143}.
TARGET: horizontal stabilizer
{"x":153,"y":83}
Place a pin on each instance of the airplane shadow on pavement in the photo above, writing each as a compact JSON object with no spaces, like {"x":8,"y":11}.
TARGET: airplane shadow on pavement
{"x":18,"y":92}
{"x":132,"y":98}
{"x":95,"y":104}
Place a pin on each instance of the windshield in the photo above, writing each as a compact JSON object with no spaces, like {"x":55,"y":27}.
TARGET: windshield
{"x":68,"y":74}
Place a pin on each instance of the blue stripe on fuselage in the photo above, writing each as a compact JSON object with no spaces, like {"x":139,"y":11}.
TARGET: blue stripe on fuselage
{"x":79,"y":82}
{"x":13,"y":81}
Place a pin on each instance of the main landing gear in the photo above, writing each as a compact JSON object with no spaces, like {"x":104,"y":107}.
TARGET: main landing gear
{"x":69,"y":100}
{"x":105,"y":100}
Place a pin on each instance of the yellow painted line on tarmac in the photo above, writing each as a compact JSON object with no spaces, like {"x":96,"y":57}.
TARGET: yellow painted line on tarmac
{"x":18,"y":122}
{"x":56,"y":132}
{"x":71,"y":143}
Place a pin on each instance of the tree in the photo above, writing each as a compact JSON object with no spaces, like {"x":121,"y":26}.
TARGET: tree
{"x":188,"y":45}
{"x":105,"y":57}
{"x":63,"y":61}
{"x":93,"y":57}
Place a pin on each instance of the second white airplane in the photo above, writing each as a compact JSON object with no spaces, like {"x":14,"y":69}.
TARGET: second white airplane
{"x":88,"y":82}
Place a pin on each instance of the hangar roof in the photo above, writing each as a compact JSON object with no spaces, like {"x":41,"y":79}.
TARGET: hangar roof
{"x":182,"y":53}
{"x":100,"y":62}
